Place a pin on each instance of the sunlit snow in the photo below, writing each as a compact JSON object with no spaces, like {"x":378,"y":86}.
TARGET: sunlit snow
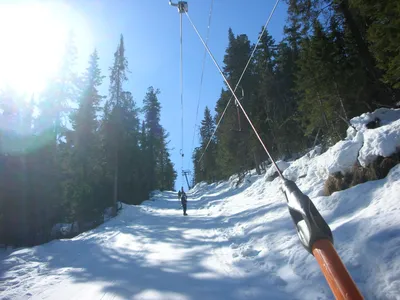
{"x":236,"y":243}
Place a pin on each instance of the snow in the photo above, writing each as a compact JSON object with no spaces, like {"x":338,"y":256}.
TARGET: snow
{"x":381,"y":141}
{"x":238,"y":242}
{"x":271,"y":172}
{"x":385,"y":115}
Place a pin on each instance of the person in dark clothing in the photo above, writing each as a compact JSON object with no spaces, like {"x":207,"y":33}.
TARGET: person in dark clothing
{"x":179,"y":194}
{"x":184,"y":202}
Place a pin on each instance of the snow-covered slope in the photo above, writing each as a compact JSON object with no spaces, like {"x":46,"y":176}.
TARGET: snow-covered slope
{"x":236,"y":243}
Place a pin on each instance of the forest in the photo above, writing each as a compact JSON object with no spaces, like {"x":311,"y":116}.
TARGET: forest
{"x":337,"y":60}
{"x":72,"y":153}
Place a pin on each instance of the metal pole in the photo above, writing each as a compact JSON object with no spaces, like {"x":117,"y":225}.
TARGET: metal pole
{"x":316,"y":236}
{"x":335,"y":272}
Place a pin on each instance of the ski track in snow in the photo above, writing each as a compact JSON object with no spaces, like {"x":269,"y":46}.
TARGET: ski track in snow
{"x":236,"y":243}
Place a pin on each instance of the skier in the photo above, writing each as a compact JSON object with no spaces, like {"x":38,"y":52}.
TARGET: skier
{"x":184,"y":202}
{"x":179,"y":194}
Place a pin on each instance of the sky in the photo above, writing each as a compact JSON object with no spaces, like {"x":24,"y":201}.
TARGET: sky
{"x":151,"y":35}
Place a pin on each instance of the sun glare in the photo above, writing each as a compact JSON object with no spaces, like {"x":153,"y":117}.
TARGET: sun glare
{"x":33,"y":37}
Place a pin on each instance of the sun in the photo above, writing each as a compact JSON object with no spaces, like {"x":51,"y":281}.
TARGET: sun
{"x":33,"y":37}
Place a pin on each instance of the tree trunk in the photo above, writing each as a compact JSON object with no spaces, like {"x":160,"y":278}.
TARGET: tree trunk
{"x":257,"y":161}
{"x":316,"y":138}
{"x":322,"y":111}
{"x":341,"y":101}
{"x":115,"y":198}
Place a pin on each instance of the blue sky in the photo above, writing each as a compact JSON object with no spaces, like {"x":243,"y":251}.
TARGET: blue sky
{"x":151,"y":33}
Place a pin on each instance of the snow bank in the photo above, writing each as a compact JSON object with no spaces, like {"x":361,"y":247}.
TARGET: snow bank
{"x":381,"y":141}
{"x":362,"y":145}
{"x":386,"y":116}
{"x":339,"y":158}
{"x":299,"y":167}
{"x":271,"y":173}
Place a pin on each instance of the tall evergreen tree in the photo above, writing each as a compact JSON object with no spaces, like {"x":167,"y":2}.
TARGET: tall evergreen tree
{"x":233,"y":135}
{"x":112,"y":127}
{"x":154,"y":132}
{"x":83,"y":158}
{"x":130,"y":153}
{"x":205,"y":170}
{"x":357,"y":26}
{"x":160,"y":172}
{"x":383,"y":19}
{"x":207,"y":165}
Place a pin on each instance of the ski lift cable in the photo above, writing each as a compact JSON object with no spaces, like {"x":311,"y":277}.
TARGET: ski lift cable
{"x":241,"y":76}
{"x":181,"y":79}
{"x":202,"y":74}
{"x":234,"y":95}
{"x":313,"y":231}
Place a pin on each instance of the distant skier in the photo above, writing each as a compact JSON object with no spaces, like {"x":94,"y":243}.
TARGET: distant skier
{"x":184,"y":202}
{"x":179,"y":194}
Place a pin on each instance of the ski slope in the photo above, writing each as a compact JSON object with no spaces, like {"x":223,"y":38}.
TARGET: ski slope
{"x":238,"y":242}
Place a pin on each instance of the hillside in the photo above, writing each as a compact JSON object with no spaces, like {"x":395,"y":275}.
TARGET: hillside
{"x":238,"y":242}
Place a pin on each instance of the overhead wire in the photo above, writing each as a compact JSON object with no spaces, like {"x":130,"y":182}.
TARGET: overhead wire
{"x":202,"y":74}
{"x":315,"y":235}
{"x":241,"y":76}
{"x":181,"y":79}
{"x":233,"y":92}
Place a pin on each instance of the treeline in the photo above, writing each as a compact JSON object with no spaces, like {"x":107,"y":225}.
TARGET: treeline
{"x":71,"y":152}
{"x":337,"y":60}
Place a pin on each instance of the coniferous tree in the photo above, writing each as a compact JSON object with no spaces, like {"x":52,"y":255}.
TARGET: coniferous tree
{"x":154,"y":132}
{"x":383,"y":18}
{"x":233,"y":135}
{"x":112,"y":127}
{"x":50,"y":139}
{"x":357,"y":22}
{"x":207,"y":167}
{"x":13,"y":175}
{"x":83,"y":157}
{"x":129,"y":152}
{"x":160,"y":172}
{"x":264,"y":109}
{"x":165,"y":172}
{"x":53,"y":171}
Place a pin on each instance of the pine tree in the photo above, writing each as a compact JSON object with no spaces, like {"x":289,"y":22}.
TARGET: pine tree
{"x":154,"y":132}
{"x":207,"y":165}
{"x":358,"y":23}
{"x":59,"y":94}
{"x":233,"y":135}
{"x":165,"y":173}
{"x":111,"y":124}
{"x":264,"y":108}
{"x":83,"y":159}
{"x":314,"y":77}
{"x":161,"y":174}
{"x":13,"y":173}
{"x":383,"y":19}
{"x":129,"y":152}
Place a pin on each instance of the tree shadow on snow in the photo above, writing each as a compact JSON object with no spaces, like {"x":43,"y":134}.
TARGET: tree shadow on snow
{"x":128,"y":272}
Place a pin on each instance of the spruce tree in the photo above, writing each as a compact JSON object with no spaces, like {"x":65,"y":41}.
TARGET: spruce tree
{"x":207,"y":165}
{"x":154,"y":132}
{"x":160,"y":168}
{"x":83,"y":158}
{"x":233,"y":135}
{"x":383,"y":18}
{"x":111,"y":124}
